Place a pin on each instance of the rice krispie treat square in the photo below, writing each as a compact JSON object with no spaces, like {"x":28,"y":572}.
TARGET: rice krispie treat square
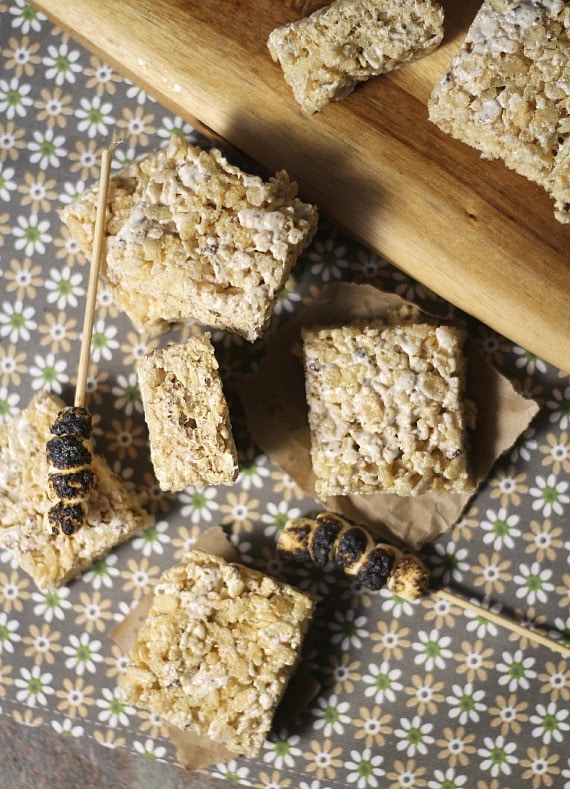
{"x":210,"y":242}
{"x":326,"y":54}
{"x":386,"y":409}
{"x":191,"y":441}
{"x":506,"y":92}
{"x":217,"y":650}
{"x":114,"y":511}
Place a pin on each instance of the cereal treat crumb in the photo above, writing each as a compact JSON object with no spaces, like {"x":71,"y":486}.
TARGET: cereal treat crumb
{"x":325,"y":55}
{"x":386,"y":411}
{"x":506,"y":92}
{"x":210,"y":242}
{"x":217,"y":650}
{"x":114,"y":512}
{"x":125,"y":189}
{"x":191,"y":441}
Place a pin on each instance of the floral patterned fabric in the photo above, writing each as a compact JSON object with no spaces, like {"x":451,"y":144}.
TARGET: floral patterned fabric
{"x":412,"y":695}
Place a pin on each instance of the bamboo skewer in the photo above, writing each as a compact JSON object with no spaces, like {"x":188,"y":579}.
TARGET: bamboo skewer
{"x":96,"y":261}
{"x":502,"y":621}
{"x":69,"y":454}
{"x":329,"y":537}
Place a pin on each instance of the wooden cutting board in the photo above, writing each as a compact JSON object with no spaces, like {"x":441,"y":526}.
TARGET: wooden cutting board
{"x":474,"y":232}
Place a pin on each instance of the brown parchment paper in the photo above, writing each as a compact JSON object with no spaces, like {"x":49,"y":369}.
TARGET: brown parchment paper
{"x":274,"y":401}
{"x":192,"y":750}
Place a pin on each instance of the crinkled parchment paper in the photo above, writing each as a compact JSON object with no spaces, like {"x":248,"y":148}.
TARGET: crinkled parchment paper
{"x":274,"y":401}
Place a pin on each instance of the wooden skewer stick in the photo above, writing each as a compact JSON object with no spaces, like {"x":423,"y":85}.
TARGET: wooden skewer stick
{"x":502,"y":621}
{"x":96,"y":261}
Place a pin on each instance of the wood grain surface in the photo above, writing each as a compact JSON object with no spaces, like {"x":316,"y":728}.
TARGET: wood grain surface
{"x":476,"y":233}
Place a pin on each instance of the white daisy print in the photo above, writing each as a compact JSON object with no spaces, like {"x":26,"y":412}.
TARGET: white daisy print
{"x":534,"y":584}
{"x":137,"y":94}
{"x":52,"y":605}
{"x":288,"y":297}
{"x":550,"y":723}
{"x":49,"y":373}
{"x":383,"y":682}
{"x":64,"y":288}
{"x":17,"y":321}
{"x":175,"y":125}
{"x":68,"y":728}
{"x":516,"y":670}
{"x":150,"y":749}
{"x":152,"y":539}
{"x":330,"y":714}
{"x":365,"y":768}
{"x":252,"y":473}
{"x":549,"y":495}
{"x":31,"y":235}
{"x":466,"y":703}
{"x":450,"y":562}
{"x":127,"y":394}
{"x":14,"y":98}
{"x":501,"y":528}
{"x":396,"y":605}
{"x":47,"y":149}
{"x":103,"y":341}
{"x":113,"y":711}
{"x":199,"y":504}
{"x":95,"y":117}
{"x":282,"y":750}
{"x":497,"y":756}
{"x":8,"y":404}
{"x":26,"y":18}
{"x":560,"y":407}
{"x":82,"y":654}
{"x":7,"y":183}
{"x":414,"y":736}
{"x":328,"y":258}
{"x":34,"y":686}
{"x":232,"y":773}
{"x":277,"y":516}
{"x":528,"y":361}
{"x":432,"y":649}
{"x":8,"y":633}
{"x":71,"y":191}
{"x":124,"y":609}
{"x":348,"y":629}
{"x":478,"y":622}
{"x":62,"y":64}
{"x":103,"y":572}
{"x":447,"y":780}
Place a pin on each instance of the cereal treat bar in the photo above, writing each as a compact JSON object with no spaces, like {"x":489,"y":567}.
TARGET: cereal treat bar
{"x":325,"y":55}
{"x":507,"y":92}
{"x":125,"y":189}
{"x":217,"y":650}
{"x":211,"y":242}
{"x":386,"y":410}
{"x":114,"y":512}
{"x":191,"y":441}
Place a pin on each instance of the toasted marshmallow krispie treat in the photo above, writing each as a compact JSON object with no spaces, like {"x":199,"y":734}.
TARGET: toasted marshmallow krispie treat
{"x":386,"y":409}
{"x":191,"y":441}
{"x":325,"y":55}
{"x":217,"y":650}
{"x":507,"y":92}
{"x":210,"y":242}
{"x":114,"y":512}
{"x":125,"y":189}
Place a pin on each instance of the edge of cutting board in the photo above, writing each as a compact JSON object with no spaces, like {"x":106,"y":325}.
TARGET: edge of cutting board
{"x":472,"y":231}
